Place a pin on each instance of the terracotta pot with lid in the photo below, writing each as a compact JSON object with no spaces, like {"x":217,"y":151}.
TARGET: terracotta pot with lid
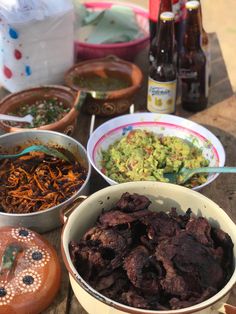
{"x":30,"y":272}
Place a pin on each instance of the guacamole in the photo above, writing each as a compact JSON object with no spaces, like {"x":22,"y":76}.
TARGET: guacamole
{"x":142,"y":155}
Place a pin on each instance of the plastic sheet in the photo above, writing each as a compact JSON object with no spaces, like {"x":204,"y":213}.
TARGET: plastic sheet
{"x":37,"y":42}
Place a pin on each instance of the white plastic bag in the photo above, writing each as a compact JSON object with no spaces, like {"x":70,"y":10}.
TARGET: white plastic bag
{"x":37,"y":42}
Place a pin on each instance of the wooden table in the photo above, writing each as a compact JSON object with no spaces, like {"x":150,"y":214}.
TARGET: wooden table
{"x":220,"y":118}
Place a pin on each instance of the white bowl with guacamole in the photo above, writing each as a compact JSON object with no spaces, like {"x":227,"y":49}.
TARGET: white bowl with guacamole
{"x":146,"y":146}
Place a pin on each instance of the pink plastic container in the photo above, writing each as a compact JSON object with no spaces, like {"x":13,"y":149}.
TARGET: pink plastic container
{"x":127,"y":50}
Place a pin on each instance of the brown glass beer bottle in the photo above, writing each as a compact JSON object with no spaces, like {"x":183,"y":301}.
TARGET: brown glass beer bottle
{"x":162,"y":81}
{"x":178,"y":7}
{"x":164,"y":6}
{"x":206,"y":49}
{"x":205,"y":42}
{"x":153,"y":17}
{"x":192,"y":63}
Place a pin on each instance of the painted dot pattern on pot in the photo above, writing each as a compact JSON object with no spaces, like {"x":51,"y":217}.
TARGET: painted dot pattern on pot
{"x":37,"y":257}
{"x":22,"y":234}
{"x":28,"y":281}
{"x":7,"y":292}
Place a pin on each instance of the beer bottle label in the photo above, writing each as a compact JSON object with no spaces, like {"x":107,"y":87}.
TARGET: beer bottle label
{"x":187,"y":74}
{"x":190,"y":85}
{"x":161,"y":96}
{"x":191,"y":91}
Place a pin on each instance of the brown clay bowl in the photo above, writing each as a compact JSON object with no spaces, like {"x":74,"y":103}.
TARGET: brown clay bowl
{"x":106,"y":102}
{"x":30,"y":96}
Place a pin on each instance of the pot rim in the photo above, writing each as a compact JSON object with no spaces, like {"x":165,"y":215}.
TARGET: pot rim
{"x":52,"y":126}
{"x":69,"y":200}
{"x":99,"y":297}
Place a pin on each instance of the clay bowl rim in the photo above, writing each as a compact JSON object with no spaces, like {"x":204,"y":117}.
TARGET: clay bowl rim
{"x":114,"y":94}
{"x":72,"y":114}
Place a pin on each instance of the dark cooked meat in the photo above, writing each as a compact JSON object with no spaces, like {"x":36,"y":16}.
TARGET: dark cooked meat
{"x":181,"y":219}
{"x":116,"y":217}
{"x":132,"y":202}
{"x":224,"y":243}
{"x":179,"y":304}
{"x":190,"y":266}
{"x":133,"y":298}
{"x":200,"y":229}
{"x":141,"y":271}
{"x":160,"y":226}
{"x":153,"y":260}
{"x":113,"y":283}
{"x":171,"y":283}
{"x":115,"y":291}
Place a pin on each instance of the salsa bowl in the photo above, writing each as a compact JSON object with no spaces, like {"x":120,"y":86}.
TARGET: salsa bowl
{"x":51,"y":106}
{"x":162,"y":126}
{"x":109,"y":84}
{"x":46,"y":219}
{"x":163,"y":196}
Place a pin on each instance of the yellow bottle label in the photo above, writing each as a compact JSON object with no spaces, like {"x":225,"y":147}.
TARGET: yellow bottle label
{"x":161,"y":96}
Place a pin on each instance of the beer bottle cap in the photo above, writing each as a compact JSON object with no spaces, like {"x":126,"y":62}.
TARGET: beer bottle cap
{"x":192,"y":5}
{"x":167,"y":16}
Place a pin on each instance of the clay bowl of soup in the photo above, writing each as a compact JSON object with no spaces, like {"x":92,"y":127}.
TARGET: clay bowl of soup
{"x":109,"y":84}
{"x":52,"y":108}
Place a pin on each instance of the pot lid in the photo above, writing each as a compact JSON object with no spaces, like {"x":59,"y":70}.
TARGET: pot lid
{"x":29,"y":271}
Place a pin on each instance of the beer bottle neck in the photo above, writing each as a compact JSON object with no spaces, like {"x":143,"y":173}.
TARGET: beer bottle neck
{"x":165,"y":6}
{"x":204,"y":33}
{"x":192,"y":37}
{"x":165,"y":42}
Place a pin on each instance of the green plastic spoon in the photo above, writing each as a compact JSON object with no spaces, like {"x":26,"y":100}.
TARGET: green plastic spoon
{"x":185,"y":174}
{"x":38,"y":148}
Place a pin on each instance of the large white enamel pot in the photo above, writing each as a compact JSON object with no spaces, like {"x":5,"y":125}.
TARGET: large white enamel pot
{"x":163,"y":197}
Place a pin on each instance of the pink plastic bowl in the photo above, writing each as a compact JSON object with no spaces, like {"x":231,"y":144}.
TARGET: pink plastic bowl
{"x":127,"y":50}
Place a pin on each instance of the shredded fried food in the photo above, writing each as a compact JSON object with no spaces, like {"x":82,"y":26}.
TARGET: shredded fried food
{"x":36,"y":182}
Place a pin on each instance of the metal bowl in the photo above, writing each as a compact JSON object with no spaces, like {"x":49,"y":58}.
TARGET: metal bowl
{"x":48,"y":219}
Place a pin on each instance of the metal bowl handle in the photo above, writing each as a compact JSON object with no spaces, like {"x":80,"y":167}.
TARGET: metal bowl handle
{"x":67,"y":211}
{"x":227,"y":309}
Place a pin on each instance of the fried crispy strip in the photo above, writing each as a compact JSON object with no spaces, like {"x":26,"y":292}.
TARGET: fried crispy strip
{"x":35,"y":182}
